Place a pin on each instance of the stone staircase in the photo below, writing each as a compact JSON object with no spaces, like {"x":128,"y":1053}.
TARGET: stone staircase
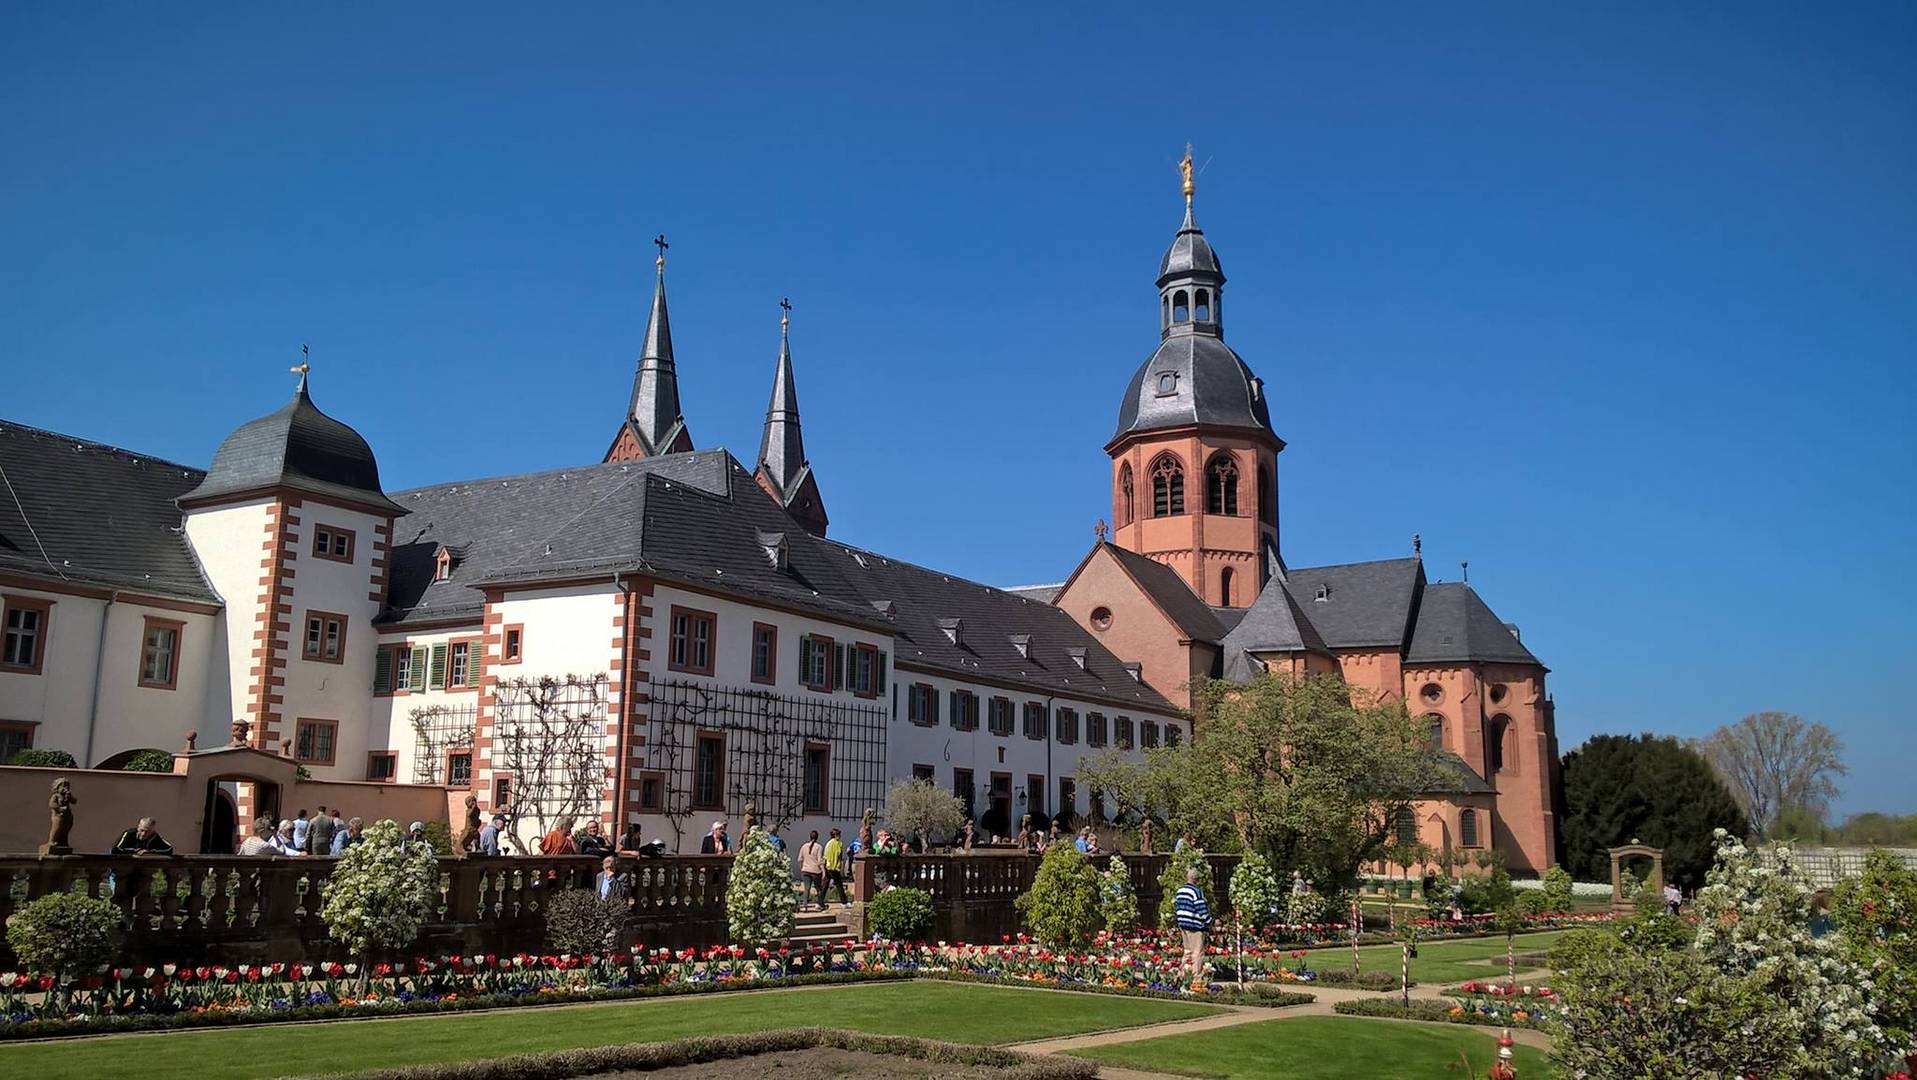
{"x":820,"y":927}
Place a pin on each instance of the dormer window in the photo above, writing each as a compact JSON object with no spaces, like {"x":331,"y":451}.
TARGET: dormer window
{"x":773,"y":545}
{"x":1324,"y":594}
{"x":1023,"y":643}
{"x":1167,"y":384}
{"x":442,"y":564}
{"x":1077,"y":653}
{"x":954,"y":630}
{"x":1136,"y":671}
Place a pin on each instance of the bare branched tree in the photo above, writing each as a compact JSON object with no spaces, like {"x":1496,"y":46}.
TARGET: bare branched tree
{"x":1776,"y":761}
{"x":550,"y":734}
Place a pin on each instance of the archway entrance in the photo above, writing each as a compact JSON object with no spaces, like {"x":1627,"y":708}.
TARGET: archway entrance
{"x":220,"y":822}
{"x":233,"y":802}
{"x":1620,"y":902}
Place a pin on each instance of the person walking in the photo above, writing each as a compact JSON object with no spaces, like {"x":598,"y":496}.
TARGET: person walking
{"x":1193,"y":916}
{"x":812,"y":870}
{"x":835,"y":863}
{"x":319,"y":834}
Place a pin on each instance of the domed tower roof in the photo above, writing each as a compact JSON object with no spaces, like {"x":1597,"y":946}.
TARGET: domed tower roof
{"x":1190,"y":255}
{"x":298,"y":447}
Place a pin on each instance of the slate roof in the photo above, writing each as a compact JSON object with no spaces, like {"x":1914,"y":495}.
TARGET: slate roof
{"x":1274,"y":623}
{"x":1194,"y":618}
{"x":296,"y":447}
{"x":1208,"y":384}
{"x":1190,"y":255}
{"x":1044,"y":594}
{"x":698,"y":518}
{"x":1365,"y":605}
{"x":1468,"y":781}
{"x":105,"y":516}
{"x":1455,"y":624}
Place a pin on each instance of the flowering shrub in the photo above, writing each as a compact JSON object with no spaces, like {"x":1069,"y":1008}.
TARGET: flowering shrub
{"x":1062,"y":907}
{"x":65,"y":934}
{"x":1117,"y":900}
{"x":380,"y":892}
{"x":1878,"y":913}
{"x":759,"y":898}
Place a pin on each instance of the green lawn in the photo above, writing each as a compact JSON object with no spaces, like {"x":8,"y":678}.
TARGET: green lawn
{"x":1438,"y":961}
{"x":960,"y":1013}
{"x":1322,"y":1048}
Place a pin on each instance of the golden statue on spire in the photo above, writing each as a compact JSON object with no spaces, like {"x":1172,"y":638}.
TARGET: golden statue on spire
{"x":1184,"y":169}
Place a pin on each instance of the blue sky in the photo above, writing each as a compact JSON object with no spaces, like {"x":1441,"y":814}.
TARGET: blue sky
{"x":1620,"y":305}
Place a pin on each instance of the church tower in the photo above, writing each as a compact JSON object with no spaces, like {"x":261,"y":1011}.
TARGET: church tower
{"x":783,"y":470}
{"x":654,"y":425}
{"x":1195,"y":460}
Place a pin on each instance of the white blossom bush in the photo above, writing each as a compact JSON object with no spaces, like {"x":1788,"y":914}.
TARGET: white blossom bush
{"x":1117,"y":900}
{"x":381,"y":892}
{"x":1256,"y":897}
{"x":759,"y":897}
{"x":1753,"y":921}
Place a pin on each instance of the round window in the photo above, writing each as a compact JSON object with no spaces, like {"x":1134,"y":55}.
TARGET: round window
{"x":1101,"y":618}
{"x":1498,"y":693}
{"x":1432,"y":693}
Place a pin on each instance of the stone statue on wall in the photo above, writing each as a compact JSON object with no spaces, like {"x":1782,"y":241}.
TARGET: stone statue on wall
{"x":192,"y":742}
{"x":469,"y":835}
{"x":1145,"y":838}
{"x":60,"y":819}
{"x":242,"y":733}
{"x":751,"y":818}
{"x":865,"y":828}
{"x":970,"y":834}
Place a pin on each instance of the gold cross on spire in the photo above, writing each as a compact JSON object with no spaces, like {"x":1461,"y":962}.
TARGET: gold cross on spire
{"x":1184,"y":169}
{"x":303,"y":366}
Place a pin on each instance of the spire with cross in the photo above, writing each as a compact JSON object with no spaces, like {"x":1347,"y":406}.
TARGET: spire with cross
{"x":302,"y":367}
{"x":660,"y":243}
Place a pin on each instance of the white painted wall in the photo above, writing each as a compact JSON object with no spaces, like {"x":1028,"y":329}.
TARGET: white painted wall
{"x":229,"y":543}
{"x":391,"y":722}
{"x":316,"y":689}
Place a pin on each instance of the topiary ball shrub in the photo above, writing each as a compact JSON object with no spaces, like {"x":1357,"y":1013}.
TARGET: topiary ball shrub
{"x":580,"y":923}
{"x":1062,"y":907}
{"x":65,"y":934}
{"x":900,"y":915}
{"x":44,"y":759}
{"x":149,"y":761}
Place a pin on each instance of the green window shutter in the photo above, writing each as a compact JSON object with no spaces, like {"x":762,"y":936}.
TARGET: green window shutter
{"x":838,"y":667}
{"x":880,"y":675}
{"x":951,"y":705}
{"x":383,"y":670}
{"x":417,"y":676}
{"x":805,"y":659}
{"x":438,"y":671}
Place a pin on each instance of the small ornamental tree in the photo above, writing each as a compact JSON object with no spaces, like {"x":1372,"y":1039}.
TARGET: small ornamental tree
{"x":1172,"y":878}
{"x":900,"y":914}
{"x":1117,"y":900}
{"x":1255,"y":899}
{"x":1062,"y":908}
{"x":381,"y":893}
{"x":65,"y":935}
{"x":923,"y":809}
{"x":759,"y":898}
{"x":1557,"y":889}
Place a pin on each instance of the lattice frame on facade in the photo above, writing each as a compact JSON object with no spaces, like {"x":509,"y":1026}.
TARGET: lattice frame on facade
{"x":438,"y":729}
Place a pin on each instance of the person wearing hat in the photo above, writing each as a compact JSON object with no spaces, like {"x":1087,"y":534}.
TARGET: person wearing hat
{"x":716,"y":842}
{"x":416,"y":837}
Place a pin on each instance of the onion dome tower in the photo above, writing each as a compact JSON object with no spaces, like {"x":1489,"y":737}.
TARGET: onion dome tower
{"x":1195,"y":459}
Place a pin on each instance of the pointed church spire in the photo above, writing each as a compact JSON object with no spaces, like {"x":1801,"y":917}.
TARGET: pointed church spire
{"x":783,"y":470}
{"x":654,"y":423}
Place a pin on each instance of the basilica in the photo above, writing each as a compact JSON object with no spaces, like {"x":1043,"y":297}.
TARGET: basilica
{"x":669,"y":635}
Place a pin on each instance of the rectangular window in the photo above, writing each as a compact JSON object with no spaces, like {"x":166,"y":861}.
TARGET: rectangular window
{"x":998,"y":716}
{"x":652,"y":792}
{"x":397,"y":662}
{"x":1067,"y":797}
{"x":922,"y":705}
{"x":815,"y":662}
{"x":502,"y":793}
{"x":1172,"y":734}
{"x":1095,"y":729}
{"x":765,"y":652}
{"x":460,"y":671}
{"x":513,"y":644}
{"x":1149,"y":732}
{"x":928,"y":773}
{"x":23,"y":647}
{"x":1125,"y":740}
{"x":1098,"y":806}
{"x":382,"y":766}
{"x":15,"y":736}
{"x":1035,"y":796}
{"x":709,"y":772}
{"x":313,"y":741}
{"x":964,"y":710}
{"x":818,"y":778}
{"x":966,"y":792}
{"x":865,"y":671}
{"x":1067,"y":727}
{"x":1468,"y":828}
{"x":689,"y":645}
{"x":332,"y":543}
{"x":459,"y":768}
{"x":160,"y":653}
{"x":1035,"y":720}
{"x":1407,"y":828}
{"x":325,"y":637}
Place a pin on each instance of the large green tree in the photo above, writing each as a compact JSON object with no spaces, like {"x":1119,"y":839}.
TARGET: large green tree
{"x":1308,"y":772}
{"x":1649,"y":788}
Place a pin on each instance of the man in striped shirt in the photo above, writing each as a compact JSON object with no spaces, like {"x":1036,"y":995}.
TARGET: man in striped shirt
{"x":1193,"y":916}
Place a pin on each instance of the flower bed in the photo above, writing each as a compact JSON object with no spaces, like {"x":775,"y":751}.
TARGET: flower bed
{"x":1390,"y":1008}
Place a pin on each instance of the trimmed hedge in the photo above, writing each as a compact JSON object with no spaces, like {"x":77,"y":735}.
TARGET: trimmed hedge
{"x":1263,"y":994}
{"x":644,"y":1057}
{"x":1428,"y":1010}
{"x":392,"y":1006}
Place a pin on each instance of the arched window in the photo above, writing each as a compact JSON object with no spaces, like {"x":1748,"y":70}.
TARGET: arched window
{"x":1202,"y":307}
{"x":1434,"y":728}
{"x":1267,"y":497}
{"x":1168,"y":487}
{"x":1221,"y":486}
{"x":1468,"y":828}
{"x":1407,"y":828}
{"x":1181,"y":306}
{"x":1124,"y":511}
{"x":1224,"y":587}
{"x":1500,"y":727}
{"x":1164,"y":318}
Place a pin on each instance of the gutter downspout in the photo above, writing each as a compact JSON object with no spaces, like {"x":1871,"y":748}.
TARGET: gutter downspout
{"x":99,"y":664}
{"x":1051,"y":736}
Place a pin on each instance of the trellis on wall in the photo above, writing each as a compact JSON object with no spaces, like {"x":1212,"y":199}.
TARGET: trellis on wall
{"x":766,"y":736}
{"x":438,"y":730}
